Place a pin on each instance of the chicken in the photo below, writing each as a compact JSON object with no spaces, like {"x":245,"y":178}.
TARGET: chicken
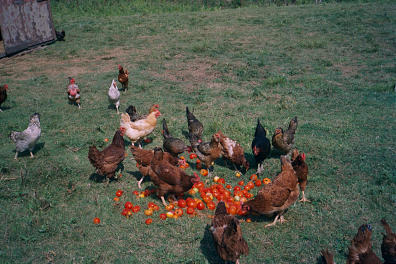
{"x":171,"y":144}
{"x":227,"y":235}
{"x":388,"y":246}
{"x":284,"y":140}
{"x":208,"y":152}
{"x":275,"y":197}
{"x":261,"y":146}
{"x":27,"y":139}
{"x":195,"y":129}
{"x":114,"y":95}
{"x":60,"y":35}
{"x":143,"y":159}
{"x":328,"y":256}
{"x":233,"y":151}
{"x":123,"y":77}
{"x":73,"y":92}
{"x":140,"y":128}
{"x":106,"y":161}
{"x":360,"y":251}
{"x":3,"y":94}
{"x":133,"y":115}
{"x":301,"y":169}
{"x":169,"y":179}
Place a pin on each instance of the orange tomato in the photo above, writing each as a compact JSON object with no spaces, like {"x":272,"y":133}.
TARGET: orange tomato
{"x":204,"y":172}
{"x":106,"y":140}
{"x":148,"y":221}
{"x":169,"y":207}
{"x":116,"y":199}
{"x":266,"y":180}
{"x":148,"y":212}
{"x":182,"y":158}
{"x":248,"y":220}
{"x":232,"y":210}
{"x":253,"y":177}
{"x":198,"y":161}
{"x":179,"y":212}
{"x":237,"y":174}
{"x":96,"y":220}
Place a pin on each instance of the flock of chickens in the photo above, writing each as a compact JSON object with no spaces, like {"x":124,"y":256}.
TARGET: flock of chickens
{"x":163,"y":166}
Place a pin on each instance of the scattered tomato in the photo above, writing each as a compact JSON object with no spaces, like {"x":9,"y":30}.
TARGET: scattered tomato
{"x":182,"y":158}
{"x":216,"y":178}
{"x":116,"y":199}
{"x":241,"y":183}
{"x":232,"y":210}
{"x":182,"y":203}
{"x":191,"y":203}
{"x":169,"y":207}
{"x":248,"y":220}
{"x":96,"y":220}
{"x":147,"y":140}
{"x":221,"y":181}
{"x":169,"y":214}
{"x":151,"y":205}
{"x":128,"y":205}
{"x":237,"y":188}
{"x":135,"y":192}
{"x":129,"y":213}
{"x":148,"y":212}
{"x":228,"y":186}
{"x":198,"y":161}
{"x":119,"y":193}
{"x":148,"y":221}
{"x":257,"y":183}
{"x":266,"y":180}
{"x":200,"y":206}
{"x":125,"y":212}
{"x":190,"y":210}
{"x":193,"y":156}
{"x":253,"y":177}
{"x":136,"y":208}
{"x":162,"y":216}
{"x":238,"y":174}
{"x":179,"y":212}
{"x":156,"y":208}
{"x":211,"y":205}
{"x":204,"y":172}
{"x":106,"y":140}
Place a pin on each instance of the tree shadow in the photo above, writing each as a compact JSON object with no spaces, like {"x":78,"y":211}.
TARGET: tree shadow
{"x":208,"y":247}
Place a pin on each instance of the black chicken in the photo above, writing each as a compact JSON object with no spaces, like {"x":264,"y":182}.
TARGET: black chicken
{"x":261,"y":146}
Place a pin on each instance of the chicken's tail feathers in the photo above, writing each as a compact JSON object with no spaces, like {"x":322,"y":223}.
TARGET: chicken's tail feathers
{"x":165,"y":130}
{"x":386,"y":226}
{"x":293,"y":124}
{"x":94,"y":156}
{"x":221,"y":209}
{"x":14,"y":135}
{"x":328,"y":256}
{"x":259,"y":129}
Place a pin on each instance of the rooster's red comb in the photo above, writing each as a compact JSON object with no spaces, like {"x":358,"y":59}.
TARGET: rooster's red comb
{"x":72,"y":81}
{"x":5,"y":86}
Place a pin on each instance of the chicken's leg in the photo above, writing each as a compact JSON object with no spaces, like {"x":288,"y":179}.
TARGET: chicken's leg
{"x":260,"y":168}
{"x":273,"y":223}
{"x":16,"y":155}
{"x":303,"y":198}
{"x":163,"y":201}
{"x":31,"y":155}
{"x":140,"y":182}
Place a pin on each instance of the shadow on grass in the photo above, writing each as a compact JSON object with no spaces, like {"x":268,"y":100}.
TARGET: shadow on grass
{"x":4,"y":108}
{"x":208,"y":247}
{"x":102,"y":178}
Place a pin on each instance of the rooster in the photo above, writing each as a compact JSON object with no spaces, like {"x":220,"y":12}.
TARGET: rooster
{"x":233,"y":151}
{"x":227,"y":235}
{"x":284,"y":140}
{"x":388,"y":246}
{"x":27,"y":139}
{"x":73,"y":92}
{"x":168,"y":178}
{"x":123,"y":77}
{"x":276,"y":197}
{"x":134,"y":116}
{"x":141,"y":128}
{"x":360,"y":251}
{"x":143,"y":160}
{"x":3,"y":94}
{"x":261,"y":146}
{"x":171,"y":144}
{"x":106,"y":161}
{"x":195,"y":128}
{"x":114,"y":95}
{"x":301,"y":169}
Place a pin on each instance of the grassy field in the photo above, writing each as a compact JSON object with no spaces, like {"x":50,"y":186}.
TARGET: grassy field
{"x":332,"y":65}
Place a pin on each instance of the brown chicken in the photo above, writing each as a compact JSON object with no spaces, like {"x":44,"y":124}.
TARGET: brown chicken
{"x":284,"y":140}
{"x":123,"y":77}
{"x":388,"y":246}
{"x":301,"y":169}
{"x":227,"y":235}
{"x":233,"y":152}
{"x":195,"y":129}
{"x":360,"y":251}
{"x":107,"y":160}
{"x":276,"y":197}
{"x":169,"y":178}
{"x":208,"y":152}
{"x":144,"y":157}
{"x":328,"y":256}
{"x":134,"y":116}
{"x":171,"y":144}
{"x":3,"y":94}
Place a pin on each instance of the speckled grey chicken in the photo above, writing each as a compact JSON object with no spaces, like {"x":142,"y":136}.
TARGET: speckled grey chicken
{"x":284,"y":140}
{"x":27,"y":139}
{"x":195,"y":129}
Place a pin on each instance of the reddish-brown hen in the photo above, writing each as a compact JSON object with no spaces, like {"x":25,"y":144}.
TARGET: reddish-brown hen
{"x":107,"y":160}
{"x":3,"y":94}
{"x":233,"y":152}
{"x":276,"y":197}
{"x":170,"y":179}
{"x":328,"y":256}
{"x":227,"y":235}
{"x":123,"y":77}
{"x":388,"y":246}
{"x":301,"y":169}
{"x":360,"y":251}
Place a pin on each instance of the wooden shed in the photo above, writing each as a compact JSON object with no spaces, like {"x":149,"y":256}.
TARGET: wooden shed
{"x":24,"y":24}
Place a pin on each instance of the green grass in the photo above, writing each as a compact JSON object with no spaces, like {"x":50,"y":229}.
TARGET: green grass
{"x":332,"y":65}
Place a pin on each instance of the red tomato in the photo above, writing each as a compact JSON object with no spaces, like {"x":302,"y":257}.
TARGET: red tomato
{"x":179,"y":212}
{"x":128,"y":205}
{"x":253,"y":177}
{"x":237,"y":188}
{"x":228,"y":186}
{"x":232,"y":210}
{"x":125,"y":212}
{"x":135,"y":192}
{"x":200,"y":185}
{"x":193,"y":156}
{"x":156,"y":208}
{"x":248,"y":195}
{"x":119,"y":193}
{"x":148,"y":221}
{"x":192,"y":203}
{"x":147,"y":140}
{"x":169,"y":207}
{"x":162,"y":216}
{"x":257,"y":183}
{"x":182,"y":203}
{"x":241,"y":183}
{"x":136,"y":208}
{"x":250,"y":184}
{"x":190,"y":210}
{"x":148,"y":212}
{"x":151,"y":205}
{"x":221,"y":180}
{"x":200,"y":206}
{"x":211,"y":205}
{"x":96,"y":220}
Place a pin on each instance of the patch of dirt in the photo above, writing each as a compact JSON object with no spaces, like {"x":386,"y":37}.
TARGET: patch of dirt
{"x":347,"y":71}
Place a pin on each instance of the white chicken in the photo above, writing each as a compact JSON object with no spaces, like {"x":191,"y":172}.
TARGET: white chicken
{"x":114,"y":95}
{"x":27,"y":139}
